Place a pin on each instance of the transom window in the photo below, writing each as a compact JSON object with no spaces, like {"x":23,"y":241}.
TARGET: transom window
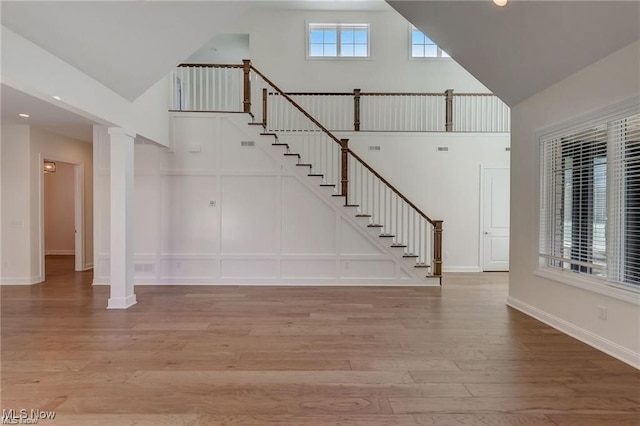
{"x":423,"y":47}
{"x":590,"y":199}
{"x":338,"y":40}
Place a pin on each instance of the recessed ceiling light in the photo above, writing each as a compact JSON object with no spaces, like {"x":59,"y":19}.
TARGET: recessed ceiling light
{"x":57,"y":98}
{"x":24,"y":115}
{"x":500,"y":2}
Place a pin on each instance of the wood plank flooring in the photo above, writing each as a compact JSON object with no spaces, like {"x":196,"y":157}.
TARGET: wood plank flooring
{"x":248,"y":356}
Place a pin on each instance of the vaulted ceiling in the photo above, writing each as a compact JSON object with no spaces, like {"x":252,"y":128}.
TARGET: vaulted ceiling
{"x":526,"y":46}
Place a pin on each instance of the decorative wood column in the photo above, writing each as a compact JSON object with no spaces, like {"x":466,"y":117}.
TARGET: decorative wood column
{"x":122,"y":267}
{"x":449,"y":110}
{"x":356,"y":109}
{"x":246,"y":69}
{"x":344,"y":151}
{"x":437,"y":248}
{"x":264,"y":107}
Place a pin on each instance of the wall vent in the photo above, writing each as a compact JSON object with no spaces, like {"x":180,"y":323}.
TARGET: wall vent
{"x":374,"y":148}
{"x":247,"y":143}
{"x":144,"y":268}
{"x":443,"y":148}
{"x":508,"y":148}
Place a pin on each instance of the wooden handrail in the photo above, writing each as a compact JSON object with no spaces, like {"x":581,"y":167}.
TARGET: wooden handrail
{"x":393,"y":188}
{"x":339,"y":142}
{"x":211,"y":65}
{"x":320,"y":93}
{"x":399,"y":94}
{"x":298,"y":107}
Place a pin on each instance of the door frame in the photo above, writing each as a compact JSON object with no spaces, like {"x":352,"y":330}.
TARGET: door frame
{"x":483,"y":174}
{"x":78,"y":210}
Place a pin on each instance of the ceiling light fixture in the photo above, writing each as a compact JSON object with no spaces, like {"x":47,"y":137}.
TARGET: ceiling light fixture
{"x":57,"y":98}
{"x":500,"y":3}
{"x":23,"y":115}
{"x":49,"y":167}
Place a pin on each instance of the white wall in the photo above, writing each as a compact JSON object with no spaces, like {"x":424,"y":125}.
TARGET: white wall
{"x":443,"y":184}
{"x":223,"y":49}
{"x":45,"y":145}
{"x":572,"y":309}
{"x":278,"y":49}
{"x":269,"y":222}
{"x":16,"y":230}
{"x":59,"y":224}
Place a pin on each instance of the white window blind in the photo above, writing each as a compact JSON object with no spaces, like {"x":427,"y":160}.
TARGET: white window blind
{"x":624,"y":199}
{"x":590,"y":201}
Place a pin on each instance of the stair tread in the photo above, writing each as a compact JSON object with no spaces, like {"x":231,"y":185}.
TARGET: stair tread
{"x":315,"y":175}
{"x":279,"y":144}
{"x":290,"y":154}
{"x":352,"y":205}
{"x":363,"y":215}
{"x":373,"y":225}
{"x":386,"y":236}
{"x":421,"y":265}
{"x":327,"y":184}
{"x":398,"y":245}
{"x":409,"y":255}
{"x":304,"y":164}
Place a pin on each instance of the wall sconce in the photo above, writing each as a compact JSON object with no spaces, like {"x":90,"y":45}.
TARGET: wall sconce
{"x":49,"y":167}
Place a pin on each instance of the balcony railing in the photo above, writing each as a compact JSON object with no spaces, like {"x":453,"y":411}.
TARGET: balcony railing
{"x":203,"y":87}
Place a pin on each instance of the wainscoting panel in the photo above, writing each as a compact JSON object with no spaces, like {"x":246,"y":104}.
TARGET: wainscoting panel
{"x":225,"y":206}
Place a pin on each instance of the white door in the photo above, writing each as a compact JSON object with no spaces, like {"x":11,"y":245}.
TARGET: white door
{"x":495,"y":217}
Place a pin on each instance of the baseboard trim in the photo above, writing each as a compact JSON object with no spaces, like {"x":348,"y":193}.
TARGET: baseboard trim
{"x":122,"y":302}
{"x":59,"y":252}
{"x":21,"y":281}
{"x":461,"y":269}
{"x":87,"y":266}
{"x":617,"y":351}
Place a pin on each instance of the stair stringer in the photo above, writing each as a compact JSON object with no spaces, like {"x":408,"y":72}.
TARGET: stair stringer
{"x":406,"y":273}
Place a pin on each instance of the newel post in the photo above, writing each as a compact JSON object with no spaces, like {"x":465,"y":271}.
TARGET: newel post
{"x":437,"y":248}
{"x":246,"y":69}
{"x":449,"y":110}
{"x":344,"y":150}
{"x":356,"y":109}
{"x":264,"y":107}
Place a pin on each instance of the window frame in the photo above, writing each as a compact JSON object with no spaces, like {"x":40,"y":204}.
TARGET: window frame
{"x":601,"y":285}
{"x":439,"y":51}
{"x":339,"y":26}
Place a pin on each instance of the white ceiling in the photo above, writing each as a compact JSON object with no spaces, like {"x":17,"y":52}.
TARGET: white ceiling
{"x":44,"y":115}
{"x":526,"y":46}
{"x":130,"y":45}
{"x":125,"y":45}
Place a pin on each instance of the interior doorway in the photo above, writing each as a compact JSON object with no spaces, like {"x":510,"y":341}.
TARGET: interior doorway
{"x":495,"y":219}
{"x":62,"y":212}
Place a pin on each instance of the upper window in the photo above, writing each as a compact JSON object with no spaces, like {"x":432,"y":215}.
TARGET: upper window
{"x":338,"y":40}
{"x":590,"y":203}
{"x":423,"y":47}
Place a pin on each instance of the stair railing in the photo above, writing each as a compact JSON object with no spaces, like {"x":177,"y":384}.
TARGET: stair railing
{"x":316,"y":148}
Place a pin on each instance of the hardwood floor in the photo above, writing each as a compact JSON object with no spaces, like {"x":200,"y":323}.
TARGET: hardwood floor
{"x":313,"y":356}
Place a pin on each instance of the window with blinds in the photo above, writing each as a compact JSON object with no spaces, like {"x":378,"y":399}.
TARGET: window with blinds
{"x":590,"y":206}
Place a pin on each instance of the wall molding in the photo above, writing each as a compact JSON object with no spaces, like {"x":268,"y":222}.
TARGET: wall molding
{"x":59,"y":252}
{"x":467,"y":269}
{"x":617,"y":351}
{"x":36,"y":279}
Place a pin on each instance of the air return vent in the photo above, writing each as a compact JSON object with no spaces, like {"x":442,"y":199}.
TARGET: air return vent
{"x":247,"y":143}
{"x":374,"y":148}
{"x":443,"y":148}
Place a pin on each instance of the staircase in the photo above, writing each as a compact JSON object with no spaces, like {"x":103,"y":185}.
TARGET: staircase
{"x":314,"y":151}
